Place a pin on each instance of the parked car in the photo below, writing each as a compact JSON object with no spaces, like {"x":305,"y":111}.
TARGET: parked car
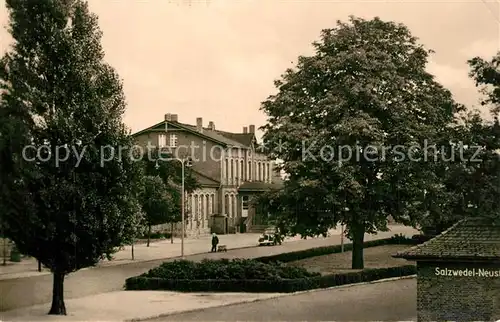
{"x":270,"y":238}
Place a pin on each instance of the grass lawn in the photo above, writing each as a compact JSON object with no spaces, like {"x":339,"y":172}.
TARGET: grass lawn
{"x":375,"y":257}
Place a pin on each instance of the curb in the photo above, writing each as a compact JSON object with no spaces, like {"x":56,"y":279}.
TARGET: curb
{"x":279,"y":295}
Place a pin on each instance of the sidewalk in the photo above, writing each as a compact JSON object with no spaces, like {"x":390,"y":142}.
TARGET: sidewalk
{"x":132,"y":305}
{"x":143,"y":305}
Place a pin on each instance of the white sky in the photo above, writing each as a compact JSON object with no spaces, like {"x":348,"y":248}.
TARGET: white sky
{"x":218,"y":60}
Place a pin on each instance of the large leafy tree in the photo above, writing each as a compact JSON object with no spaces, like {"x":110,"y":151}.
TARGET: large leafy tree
{"x":57,"y":92}
{"x":156,"y":202}
{"x":350,"y":123}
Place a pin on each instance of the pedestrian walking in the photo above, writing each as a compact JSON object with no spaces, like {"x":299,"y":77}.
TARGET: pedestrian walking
{"x":215,"y":242}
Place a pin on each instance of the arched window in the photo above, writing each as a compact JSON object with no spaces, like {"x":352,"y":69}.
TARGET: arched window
{"x":235,"y":208}
{"x":237,"y":171}
{"x":231,"y":176}
{"x":207,"y":209}
{"x":226,"y":205}
{"x":241,"y":171}
{"x":202,"y":211}
{"x":226,"y":167}
{"x":194,"y":216}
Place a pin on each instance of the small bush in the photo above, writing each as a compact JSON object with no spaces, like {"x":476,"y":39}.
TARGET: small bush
{"x":224,"y":269}
{"x":270,"y":286}
{"x":15,"y":255}
{"x":334,"y":249}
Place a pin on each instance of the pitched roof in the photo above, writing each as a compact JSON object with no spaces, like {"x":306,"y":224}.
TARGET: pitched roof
{"x":469,"y":239}
{"x":243,"y":138}
{"x":207,"y":133}
{"x":214,"y":135}
{"x":205,"y":180}
{"x":259,"y":186}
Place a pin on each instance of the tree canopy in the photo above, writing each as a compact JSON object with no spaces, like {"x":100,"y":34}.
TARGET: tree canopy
{"x":61,"y":106}
{"x":350,"y":124}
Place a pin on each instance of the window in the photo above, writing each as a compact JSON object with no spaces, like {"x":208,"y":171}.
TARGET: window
{"x":244,"y":202}
{"x":226,"y":170}
{"x":226,"y":205}
{"x":212,"y":202}
{"x":241,"y":170}
{"x":162,"y":140}
{"x":249,"y":171}
{"x":232,"y":171}
{"x":202,"y":210}
{"x":173,"y":140}
{"x":196,"y":208}
{"x":235,"y":207}
{"x":237,"y":177}
{"x":259,"y":172}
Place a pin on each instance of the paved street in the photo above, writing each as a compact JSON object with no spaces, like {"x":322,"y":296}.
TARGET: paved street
{"x":386,"y":301}
{"x":28,"y":291}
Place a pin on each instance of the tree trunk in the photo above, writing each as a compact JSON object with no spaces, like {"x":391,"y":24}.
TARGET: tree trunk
{"x":358,"y":235}
{"x":58,"y":307}
{"x":39,"y":266}
{"x":149,"y":235}
{"x":133,"y":242}
{"x":171,"y":233}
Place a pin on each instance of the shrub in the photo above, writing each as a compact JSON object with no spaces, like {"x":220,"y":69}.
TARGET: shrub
{"x":224,"y":269}
{"x":334,"y":249}
{"x":288,"y":285}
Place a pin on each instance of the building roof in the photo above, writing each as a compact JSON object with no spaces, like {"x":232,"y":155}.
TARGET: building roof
{"x":243,"y":138}
{"x":258,"y":186}
{"x":214,"y":135}
{"x":469,"y":239}
{"x":207,"y":133}
{"x":205,"y":180}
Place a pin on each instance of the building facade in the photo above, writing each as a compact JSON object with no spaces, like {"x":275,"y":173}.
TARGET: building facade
{"x":231,"y":168}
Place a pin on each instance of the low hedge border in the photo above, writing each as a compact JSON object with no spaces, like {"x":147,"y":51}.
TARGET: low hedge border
{"x":334,"y":249}
{"x":268,"y":286}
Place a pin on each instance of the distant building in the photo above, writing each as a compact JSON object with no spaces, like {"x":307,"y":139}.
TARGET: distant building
{"x":230,"y":168}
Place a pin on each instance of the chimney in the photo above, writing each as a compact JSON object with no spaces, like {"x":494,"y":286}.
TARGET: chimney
{"x":245,"y":129}
{"x":174,"y":118}
{"x":168,"y":117}
{"x":211,"y":126}
{"x":199,"y":124}
{"x":251,"y":128}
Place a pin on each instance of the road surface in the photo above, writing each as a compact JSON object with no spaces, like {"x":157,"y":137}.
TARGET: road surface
{"x":28,"y":291}
{"x":385,"y":301}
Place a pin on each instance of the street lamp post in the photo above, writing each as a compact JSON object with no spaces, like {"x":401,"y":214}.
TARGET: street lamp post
{"x":182,"y":209}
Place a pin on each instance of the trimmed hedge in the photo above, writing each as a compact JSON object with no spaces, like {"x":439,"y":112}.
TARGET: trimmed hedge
{"x":267,"y":286}
{"x":225,"y":269}
{"x":334,"y":249}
